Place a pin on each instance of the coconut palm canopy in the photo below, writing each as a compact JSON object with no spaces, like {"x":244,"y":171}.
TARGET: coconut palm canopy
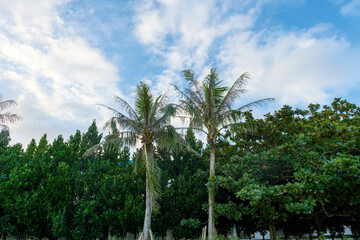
{"x":209,"y":103}
{"x":148,"y":121}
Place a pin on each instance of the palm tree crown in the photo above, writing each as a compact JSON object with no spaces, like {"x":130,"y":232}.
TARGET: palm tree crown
{"x":148,"y":121}
{"x":209,"y":103}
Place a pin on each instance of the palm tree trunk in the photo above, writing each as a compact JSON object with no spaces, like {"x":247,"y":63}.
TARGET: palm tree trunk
{"x":148,"y":201}
{"x":211,"y":221}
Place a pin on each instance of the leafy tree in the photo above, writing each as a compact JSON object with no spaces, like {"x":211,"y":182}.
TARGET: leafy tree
{"x":209,"y":104}
{"x":148,"y":122}
{"x":106,"y":191}
{"x":127,"y":205}
{"x":25,"y":192}
{"x":51,"y":191}
{"x":85,"y":214}
{"x":330,"y":146}
{"x":60,"y":185}
{"x":302,"y":163}
{"x":4,"y":138}
{"x":9,"y":158}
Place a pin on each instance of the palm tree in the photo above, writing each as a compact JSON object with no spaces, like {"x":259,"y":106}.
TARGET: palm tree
{"x":149,"y":123}
{"x":7,"y":117}
{"x":209,"y":105}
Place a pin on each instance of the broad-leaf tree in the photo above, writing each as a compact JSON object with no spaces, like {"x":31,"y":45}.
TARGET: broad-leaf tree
{"x":209,"y":103}
{"x":148,"y":123}
{"x":300,"y":164}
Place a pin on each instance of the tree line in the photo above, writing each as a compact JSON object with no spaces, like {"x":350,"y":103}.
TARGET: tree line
{"x":295,"y":170}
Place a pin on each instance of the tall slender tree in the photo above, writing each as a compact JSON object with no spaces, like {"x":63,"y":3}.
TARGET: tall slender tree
{"x":148,"y":123}
{"x":209,"y":105}
{"x":7,"y":117}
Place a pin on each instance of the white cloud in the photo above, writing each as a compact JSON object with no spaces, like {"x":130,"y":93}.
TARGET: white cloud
{"x":182,"y":32}
{"x":296,"y":67}
{"x":55,"y":76}
{"x":351,"y":8}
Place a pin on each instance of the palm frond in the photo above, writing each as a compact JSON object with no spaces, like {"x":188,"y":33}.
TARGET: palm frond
{"x":171,"y":140}
{"x":127,"y":108}
{"x":117,"y":140}
{"x":152,"y":175}
{"x":167,"y":138}
{"x":143,"y":102}
{"x":139,"y":162}
{"x":6,"y":104}
{"x":187,"y":128}
{"x":120,"y":119}
{"x":229,"y":116}
{"x":214,"y":85}
{"x":156,"y":109}
{"x":214,"y":93}
{"x":194,"y":91}
{"x":162,"y":112}
{"x":257,"y":103}
{"x":189,"y":76}
{"x":4,"y":128}
{"x":127,"y":138}
{"x":244,"y":127}
{"x":167,"y":112}
{"x":191,"y":103}
{"x":155,"y":174}
{"x":234,"y":92}
{"x":9,"y":118}
{"x":93,"y":150}
{"x":196,"y":123}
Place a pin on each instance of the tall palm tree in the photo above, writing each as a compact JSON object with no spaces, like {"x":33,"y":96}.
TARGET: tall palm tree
{"x":7,"y":117}
{"x":209,"y":105}
{"x":149,"y":123}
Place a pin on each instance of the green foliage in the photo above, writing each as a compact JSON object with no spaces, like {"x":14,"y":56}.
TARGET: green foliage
{"x":298,"y":163}
{"x":51,"y":191}
{"x":190,"y":223}
{"x":299,"y":172}
{"x":183,"y":181}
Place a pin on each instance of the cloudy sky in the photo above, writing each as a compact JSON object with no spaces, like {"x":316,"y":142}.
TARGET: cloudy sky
{"x":58,"y":58}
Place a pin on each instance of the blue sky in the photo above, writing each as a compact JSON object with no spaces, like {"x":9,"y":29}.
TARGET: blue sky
{"x":58,"y":58}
